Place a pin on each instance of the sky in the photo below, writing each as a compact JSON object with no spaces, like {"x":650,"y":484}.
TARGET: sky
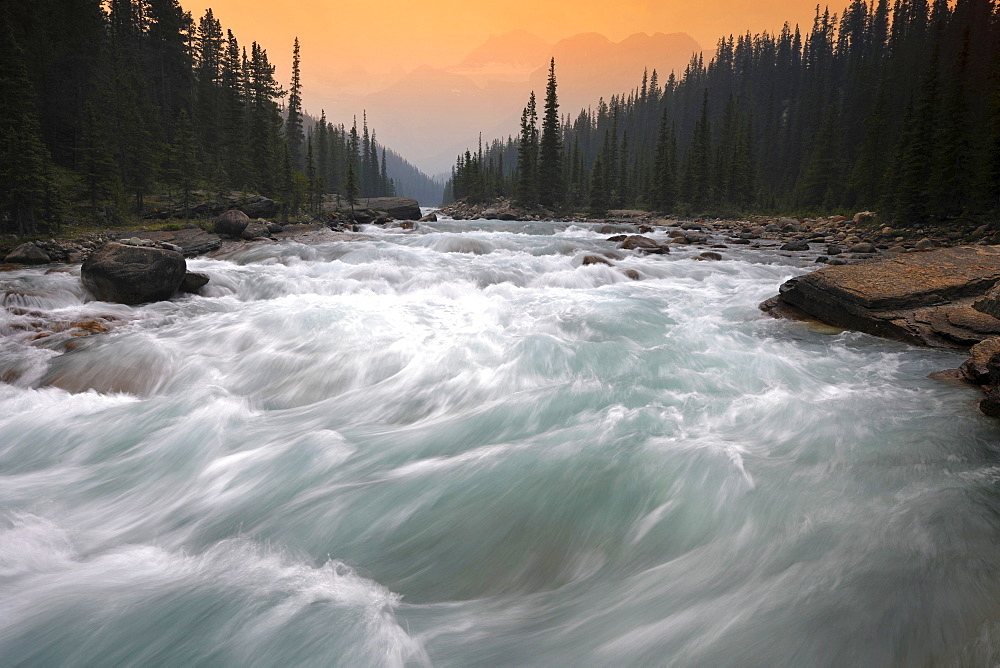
{"x":386,"y":38}
{"x":356,"y":56}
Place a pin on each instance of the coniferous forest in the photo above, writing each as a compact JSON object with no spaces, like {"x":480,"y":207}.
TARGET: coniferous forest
{"x":105,"y":104}
{"x":894,"y":109}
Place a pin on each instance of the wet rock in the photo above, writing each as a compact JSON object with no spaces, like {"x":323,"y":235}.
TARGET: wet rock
{"x":595,"y":259}
{"x":617,"y":238}
{"x":795,"y":246}
{"x":644,"y":245}
{"x":984,"y":357}
{"x":232,"y":224}
{"x":834,"y":249}
{"x":430,"y":218}
{"x":27,"y":253}
{"x":709,"y":255}
{"x":921,"y":298}
{"x":633,"y":274}
{"x":133,"y":274}
{"x":193,"y":282}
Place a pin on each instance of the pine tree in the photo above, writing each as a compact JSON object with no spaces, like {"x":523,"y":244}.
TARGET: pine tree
{"x":527,"y":156}
{"x":184,"y":160}
{"x":293,"y":126}
{"x":551,"y":187}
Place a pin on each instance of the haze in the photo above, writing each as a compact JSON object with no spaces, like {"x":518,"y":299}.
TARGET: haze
{"x":409,"y":63}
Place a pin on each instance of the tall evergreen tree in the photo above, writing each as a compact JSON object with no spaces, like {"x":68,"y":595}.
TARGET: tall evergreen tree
{"x":551,"y":188}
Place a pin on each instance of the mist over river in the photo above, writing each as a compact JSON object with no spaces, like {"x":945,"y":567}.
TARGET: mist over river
{"x":460,"y":446}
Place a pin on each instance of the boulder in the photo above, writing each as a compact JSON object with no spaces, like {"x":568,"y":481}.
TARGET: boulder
{"x":862,"y":248}
{"x":429,"y":218}
{"x":27,"y":253}
{"x":133,"y":274}
{"x":191,"y":241}
{"x":595,"y":259}
{"x":795,"y":245}
{"x":984,"y":362}
{"x":400,"y":208}
{"x":921,"y":298}
{"x":709,"y":255}
{"x":643,"y":245}
{"x":193,"y":282}
{"x":864,"y":217}
{"x":232,"y":223}
{"x":256,"y":230}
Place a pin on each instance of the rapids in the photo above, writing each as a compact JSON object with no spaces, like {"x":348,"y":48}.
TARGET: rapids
{"x":459,"y":446}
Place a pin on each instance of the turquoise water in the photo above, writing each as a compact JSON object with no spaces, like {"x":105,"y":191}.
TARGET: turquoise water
{"x":461,"y":447}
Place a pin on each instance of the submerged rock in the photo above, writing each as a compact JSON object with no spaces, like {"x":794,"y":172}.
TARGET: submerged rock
{"x":595,"y":259}
{"x":921,"y":298}
{"x":193,"y":282}
{"x":644,"y":245}
{"x":133,"y":274}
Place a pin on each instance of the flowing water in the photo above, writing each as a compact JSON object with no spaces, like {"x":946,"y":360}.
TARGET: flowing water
{"x":459,"y":446}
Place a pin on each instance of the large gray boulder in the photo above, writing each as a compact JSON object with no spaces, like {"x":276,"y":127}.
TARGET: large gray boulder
{"x":232,"y":223}
{"x":133,"y":274}
{"x":27,"y":253}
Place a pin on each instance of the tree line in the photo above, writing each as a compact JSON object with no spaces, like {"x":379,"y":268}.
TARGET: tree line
{"x":108,"y":102}
{"x":891,"y":109}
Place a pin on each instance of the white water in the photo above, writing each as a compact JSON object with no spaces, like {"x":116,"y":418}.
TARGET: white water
{"x":461,"y":447}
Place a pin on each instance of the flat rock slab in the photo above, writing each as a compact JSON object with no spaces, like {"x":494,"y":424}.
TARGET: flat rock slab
{"x":192,"y":241}
{"x":922,"y":298}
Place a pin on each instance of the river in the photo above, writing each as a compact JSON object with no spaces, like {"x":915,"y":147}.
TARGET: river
{"x":459,"y":446}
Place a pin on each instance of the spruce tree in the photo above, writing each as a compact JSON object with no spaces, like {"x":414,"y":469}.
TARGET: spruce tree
{"x":293,"y":126}
{"x":551,"y":186}
{"x":527,"y":157}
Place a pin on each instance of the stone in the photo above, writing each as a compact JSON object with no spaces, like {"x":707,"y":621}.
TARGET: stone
{"x":990,"y":303}
{"x":430,"y":218}
{"x":256,"y":230}
{"x":644,"y":245}
{"x":924,"y":244}
{"x":633,"y":274}
{"x":795,"y":246}
{"x":399,"y":208}
{"x":232,"y":224}
{"x":193,"y":282}
{"x":709,"y":255}
{"x":274,"y":228}
{"x":983,"y":357}
{"x":27,"y":253}
{"x":864,"y":217}
{"x":921,"y":298}
{"x":133,"y":274}
{"x":834,"y":249}
{"x":595,"y":259}
{"x":862,"y":248}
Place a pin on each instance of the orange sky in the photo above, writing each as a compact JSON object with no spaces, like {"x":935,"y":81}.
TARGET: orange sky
{"x":361,"y":46}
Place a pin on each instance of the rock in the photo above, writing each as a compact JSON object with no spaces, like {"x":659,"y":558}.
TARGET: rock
{"x":864,"y":217}
{"x":256,"y":230}
{"x":617,"y":238}
{"x":400,"y":208}
{"x":644,"y":245}
{"x":133,"y":274}
{"x":506,"y":216}
{"x":895,"y":249}
{"x":595,"y":259}
{"x":192,"y":241}
{"x":921,"y":298}
{"x":983,"y":357}
{"x":430,"y":218}
{"x":274,"y":228}
{"x":862,"y":248}
{"x":834,"y":249}
{"x":27,"y":253}
{"x":990,"y":406}
{"x":795,"y":246}
{"x":633,"y":274}
{"x":709,"y":255}
{"x":990,"y":303}
{"x":193,"y":282}
{"x":232,"y":223}
{"x":924,"y":244}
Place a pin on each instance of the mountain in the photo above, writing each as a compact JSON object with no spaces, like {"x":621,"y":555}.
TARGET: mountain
{"x":431,"y":114}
